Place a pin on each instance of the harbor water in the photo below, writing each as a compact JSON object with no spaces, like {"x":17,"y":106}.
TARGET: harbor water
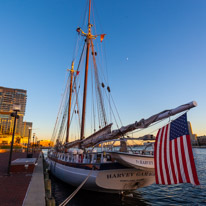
{"x":182,"y":194}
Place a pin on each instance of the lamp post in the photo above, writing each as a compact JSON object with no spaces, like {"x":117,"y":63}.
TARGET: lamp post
{"x":36,"y":145}
{"x":28,"y":140}
{"x":33,"y":143}
{"x":16,"y":109}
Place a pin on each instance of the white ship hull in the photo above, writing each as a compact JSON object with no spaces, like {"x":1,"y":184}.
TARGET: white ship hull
{"x":108,"y":180}
{"x":134,"y":160}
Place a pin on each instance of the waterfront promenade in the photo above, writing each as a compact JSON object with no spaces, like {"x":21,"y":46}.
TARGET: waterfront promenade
{"x":21,"y":188}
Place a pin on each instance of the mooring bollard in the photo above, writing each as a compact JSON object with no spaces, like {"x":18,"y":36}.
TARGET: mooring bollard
{"x":50,"y":201}
{"x":48,"y":187}
{"x":46,"y":175}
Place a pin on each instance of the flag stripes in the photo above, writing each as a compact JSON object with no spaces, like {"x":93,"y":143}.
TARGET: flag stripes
{"x":174,"y":162}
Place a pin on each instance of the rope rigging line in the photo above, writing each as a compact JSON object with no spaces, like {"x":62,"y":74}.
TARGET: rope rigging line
{"x":101,"y":71}
{"x":80,"y":60}
{"x":59,"y":113}
{"x":93,"y":108}
{"x":61,"y":118}
{"x":103,"y":57}
{"x":83,"y":20}
{"x":62,"y":139}
{"x":74,"y":103}
{"x":112,"y":112}
{"x":64,"y":110}
{"x":97,"y":110}
{"x":78,"y":109}
{"x":116,"y":110}
{"x":96,"y":13}
{"x":170,"y":120}
{"x":100,"y":65}
{"x":102,"y":108}
{"x":66,"y":201}
{"x":62,"y":126}
{"x":76,"y":84}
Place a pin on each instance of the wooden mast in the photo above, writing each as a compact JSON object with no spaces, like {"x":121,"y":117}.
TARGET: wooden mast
{"x":88,"y":37}
{"x":70,"y":99}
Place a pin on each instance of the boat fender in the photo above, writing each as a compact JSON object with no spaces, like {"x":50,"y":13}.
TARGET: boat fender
{"x":80,"y":158}
{"x":93,"y":160}
{"x":77,"y":158}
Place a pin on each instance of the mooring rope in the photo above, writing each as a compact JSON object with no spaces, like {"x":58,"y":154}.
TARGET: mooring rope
{"x":75,"y":192}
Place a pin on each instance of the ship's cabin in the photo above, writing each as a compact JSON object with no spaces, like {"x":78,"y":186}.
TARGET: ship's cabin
{"x":80,"y":156}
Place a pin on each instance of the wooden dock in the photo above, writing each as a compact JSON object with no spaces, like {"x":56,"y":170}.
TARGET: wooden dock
{"x":21,"y":188}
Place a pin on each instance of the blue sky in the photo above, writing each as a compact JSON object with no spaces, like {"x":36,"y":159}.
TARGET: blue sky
{"x":156,"y":53}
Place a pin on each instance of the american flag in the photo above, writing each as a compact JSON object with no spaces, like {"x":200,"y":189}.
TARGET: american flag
{"x":174,"y":162}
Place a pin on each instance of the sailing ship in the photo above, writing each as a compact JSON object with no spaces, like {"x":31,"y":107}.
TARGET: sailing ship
{"x":92,"y":157}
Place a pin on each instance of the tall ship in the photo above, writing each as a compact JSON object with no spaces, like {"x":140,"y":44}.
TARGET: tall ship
{"x":91,"y":144}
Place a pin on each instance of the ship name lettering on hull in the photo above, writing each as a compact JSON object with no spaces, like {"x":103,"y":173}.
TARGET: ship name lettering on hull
{"x":119,"y":175}
{"x":129,"y":174}
{"x":144,"y":162}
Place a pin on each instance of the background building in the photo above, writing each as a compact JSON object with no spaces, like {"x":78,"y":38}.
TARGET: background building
{"x":148,"y":137}
{"x":9,"y":97}
{"x":45,"y":143}
{"x":26,"y":133}
{"x":193,"y":137}
{"x":201,"y":140}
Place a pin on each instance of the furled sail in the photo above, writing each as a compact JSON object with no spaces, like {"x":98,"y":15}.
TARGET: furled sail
{"x":90,"y":141}
{"x":143,"y":123}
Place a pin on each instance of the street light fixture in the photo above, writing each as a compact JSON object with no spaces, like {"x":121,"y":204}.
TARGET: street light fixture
{"x":29,"y":135}
{"x":33,"y":143}
{"x":36,"y":145}
{"x":16,"y":109}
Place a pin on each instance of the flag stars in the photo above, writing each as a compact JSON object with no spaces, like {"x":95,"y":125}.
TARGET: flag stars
{"x":179,"y":127}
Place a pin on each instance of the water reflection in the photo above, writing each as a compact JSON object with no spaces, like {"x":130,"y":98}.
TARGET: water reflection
{"x":61,"y":191}
{"x":182,"y":194}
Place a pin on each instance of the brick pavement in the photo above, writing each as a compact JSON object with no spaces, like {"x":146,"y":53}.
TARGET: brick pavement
{"x":13,"y":188}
